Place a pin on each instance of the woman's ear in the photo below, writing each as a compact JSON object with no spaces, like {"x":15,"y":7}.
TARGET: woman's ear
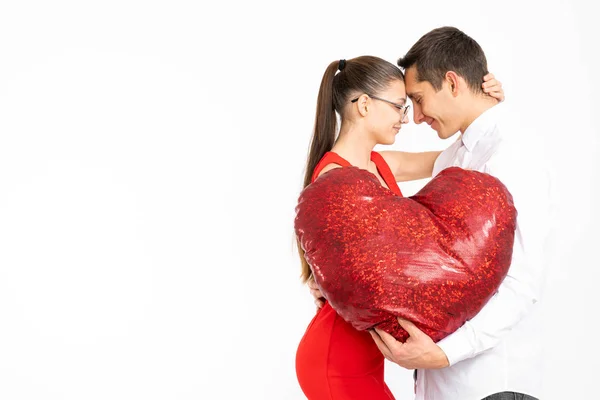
{"x":363,"y":105}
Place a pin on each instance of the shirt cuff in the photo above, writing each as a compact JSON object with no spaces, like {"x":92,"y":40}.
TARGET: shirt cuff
{"x":458,"y":346}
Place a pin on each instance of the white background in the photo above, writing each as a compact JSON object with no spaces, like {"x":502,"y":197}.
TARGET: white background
{"x":151,"y":154}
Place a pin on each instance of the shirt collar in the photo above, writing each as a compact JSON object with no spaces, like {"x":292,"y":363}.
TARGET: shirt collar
{"x":483,"y":125}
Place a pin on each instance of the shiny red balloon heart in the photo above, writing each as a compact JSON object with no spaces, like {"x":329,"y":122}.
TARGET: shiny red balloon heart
{"x":434,"y":258}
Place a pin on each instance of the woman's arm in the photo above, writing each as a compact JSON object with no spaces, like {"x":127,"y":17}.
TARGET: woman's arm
{"x":410,"y":166}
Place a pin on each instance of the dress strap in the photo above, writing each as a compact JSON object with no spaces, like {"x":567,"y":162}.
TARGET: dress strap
{"x":385,"y":172}
{"x":329,"y":158}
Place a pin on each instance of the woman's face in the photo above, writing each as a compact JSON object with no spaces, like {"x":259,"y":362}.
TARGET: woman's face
{"x":385,"y":117}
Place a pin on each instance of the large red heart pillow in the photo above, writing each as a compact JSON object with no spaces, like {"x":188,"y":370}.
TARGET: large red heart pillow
{"x":434,"y":258}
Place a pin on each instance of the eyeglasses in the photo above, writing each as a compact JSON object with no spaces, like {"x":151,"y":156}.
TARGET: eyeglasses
{"x":398,"y":106}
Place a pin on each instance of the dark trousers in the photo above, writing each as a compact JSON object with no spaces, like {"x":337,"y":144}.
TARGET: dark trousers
{"x":509,"y":396}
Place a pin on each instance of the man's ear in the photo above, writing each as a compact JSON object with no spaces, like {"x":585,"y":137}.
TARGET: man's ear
{"x":455,"y":82}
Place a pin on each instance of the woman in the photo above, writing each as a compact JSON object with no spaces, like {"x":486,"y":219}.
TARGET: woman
{"x":335,"y":361}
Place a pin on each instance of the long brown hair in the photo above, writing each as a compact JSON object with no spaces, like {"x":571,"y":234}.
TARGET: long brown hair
{"x":365,"y":74}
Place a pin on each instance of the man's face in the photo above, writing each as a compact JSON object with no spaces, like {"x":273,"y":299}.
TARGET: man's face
{"x":437,"y":109}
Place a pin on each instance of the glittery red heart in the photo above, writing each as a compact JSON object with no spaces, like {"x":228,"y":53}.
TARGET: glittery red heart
{"x":434,"y":258}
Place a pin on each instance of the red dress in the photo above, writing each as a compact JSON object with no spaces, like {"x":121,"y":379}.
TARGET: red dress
{"x":334,"y":361}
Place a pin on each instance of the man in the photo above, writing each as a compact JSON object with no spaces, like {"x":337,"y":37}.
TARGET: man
{"x":496,"y":355}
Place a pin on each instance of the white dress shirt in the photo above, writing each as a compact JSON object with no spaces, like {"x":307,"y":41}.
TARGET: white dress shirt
{"x":499,"y":349}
